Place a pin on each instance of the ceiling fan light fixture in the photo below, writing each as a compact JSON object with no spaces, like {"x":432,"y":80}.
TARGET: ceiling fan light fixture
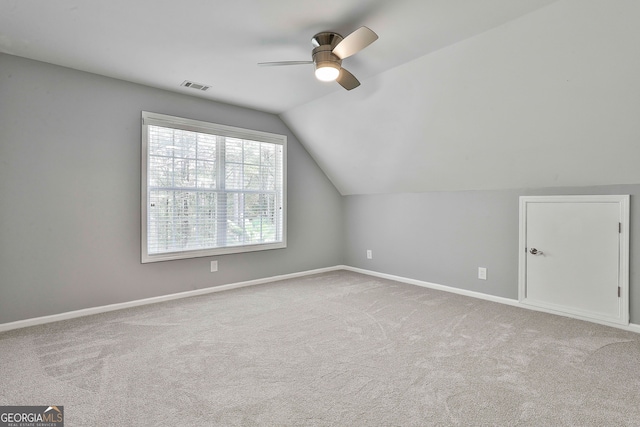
{"x":327,"y":72}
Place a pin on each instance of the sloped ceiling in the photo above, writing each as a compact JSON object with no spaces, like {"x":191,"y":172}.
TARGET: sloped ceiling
{"x":456,"y":94}
{"x":550,"y":99}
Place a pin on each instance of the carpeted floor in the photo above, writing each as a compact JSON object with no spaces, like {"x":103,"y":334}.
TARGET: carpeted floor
{"x":336,"y":349}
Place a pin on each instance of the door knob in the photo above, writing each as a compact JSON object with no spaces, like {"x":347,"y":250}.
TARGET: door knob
{"x":534,"y":251}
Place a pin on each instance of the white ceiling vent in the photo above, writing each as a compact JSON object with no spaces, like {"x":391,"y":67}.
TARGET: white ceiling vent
{"x":194,"y":85}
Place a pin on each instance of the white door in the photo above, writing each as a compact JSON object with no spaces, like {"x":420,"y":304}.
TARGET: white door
{"x":574,"y":255}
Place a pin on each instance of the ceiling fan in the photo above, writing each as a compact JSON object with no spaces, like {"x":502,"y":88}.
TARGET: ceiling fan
{"x":329,"y":50}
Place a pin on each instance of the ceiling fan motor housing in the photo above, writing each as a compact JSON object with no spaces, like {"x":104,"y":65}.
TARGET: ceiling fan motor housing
{"x":326,"y":38}
{"x":323,"y":46}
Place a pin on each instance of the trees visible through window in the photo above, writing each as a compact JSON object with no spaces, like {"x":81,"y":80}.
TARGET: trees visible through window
{"x":210,"y":189}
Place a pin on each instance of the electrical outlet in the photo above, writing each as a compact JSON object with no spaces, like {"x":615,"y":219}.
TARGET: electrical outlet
{"x":482,"y":273}
{"x":214,"y":266}
{"x":369,"y":254}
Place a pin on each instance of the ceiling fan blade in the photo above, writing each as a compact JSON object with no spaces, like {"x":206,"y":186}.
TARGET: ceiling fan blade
{"x":275,"y":64}
{"x":355,"y":42}
{"x":347,"y":80}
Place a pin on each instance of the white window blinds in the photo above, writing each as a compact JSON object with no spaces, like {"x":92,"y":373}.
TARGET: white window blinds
{"x":210,"y":189}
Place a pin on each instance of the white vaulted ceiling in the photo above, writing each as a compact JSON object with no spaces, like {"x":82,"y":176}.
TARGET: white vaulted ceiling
{"x":456,"y":94}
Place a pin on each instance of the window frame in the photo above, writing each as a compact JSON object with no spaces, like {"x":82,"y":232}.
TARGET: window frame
{"x":167,"y":121}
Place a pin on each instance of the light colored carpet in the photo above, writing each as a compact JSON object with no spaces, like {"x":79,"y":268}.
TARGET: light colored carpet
{"x":337,"y":349}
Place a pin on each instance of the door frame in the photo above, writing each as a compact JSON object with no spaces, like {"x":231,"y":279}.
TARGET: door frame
{"x":623,"y":259}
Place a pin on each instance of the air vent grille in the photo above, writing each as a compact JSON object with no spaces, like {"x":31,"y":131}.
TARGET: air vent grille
{"x":194,"y":85}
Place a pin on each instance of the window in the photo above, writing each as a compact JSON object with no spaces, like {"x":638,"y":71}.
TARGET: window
{"x":210,"y":189}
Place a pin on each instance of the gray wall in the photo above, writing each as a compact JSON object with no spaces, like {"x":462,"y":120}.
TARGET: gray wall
{"x":443,"y":237}
{"x":70,"y":195}
{"x":70,"y":206}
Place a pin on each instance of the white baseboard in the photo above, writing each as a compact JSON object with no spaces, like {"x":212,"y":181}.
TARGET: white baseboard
{"x":113,"y":307}
{"x":634,"y":328}
{"x":631,"y":327}
{"x":435,"y":286}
